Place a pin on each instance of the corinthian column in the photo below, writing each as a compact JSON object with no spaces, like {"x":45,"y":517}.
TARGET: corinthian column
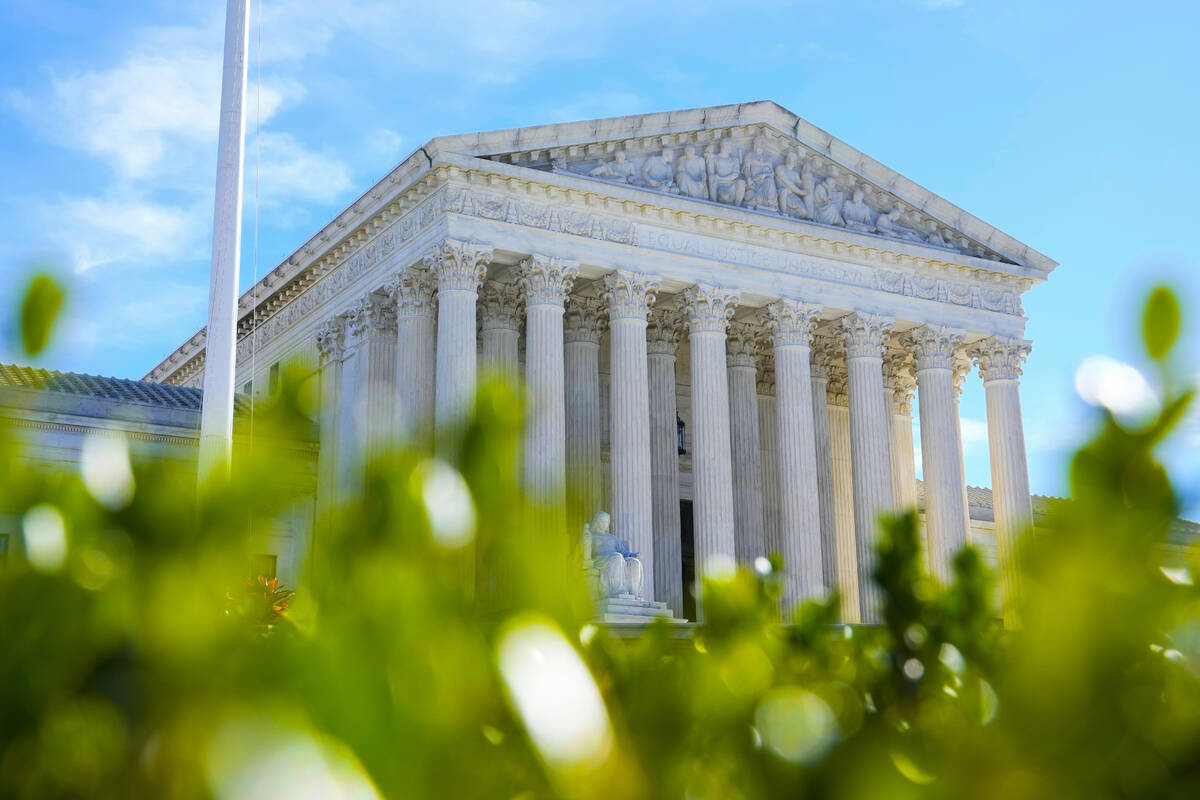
{"x":768,"y":447}
{"x":582,"y":326}
{"x":750,"y":541}
{"x":999,"y":360}
{"x":459,"y":268}
{"x":331,"y":347}
{"x":372,"y":329}
{"x":941,"y":453}
{"x":709,"y":309}
{"x":546,"y":281}
{"x":500,"y":326}
{"x":818,"y":371}
{"x":870,"y":433}
{"x":791,"y":323}
{"x":904,"y":459}
{"x":663,"y":331}
{"x":416,"y":354}
{"x":846,"y":552}
{"x":629,"y":296}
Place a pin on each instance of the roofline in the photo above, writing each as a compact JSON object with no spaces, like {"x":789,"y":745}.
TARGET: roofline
{"x":422,"y":160}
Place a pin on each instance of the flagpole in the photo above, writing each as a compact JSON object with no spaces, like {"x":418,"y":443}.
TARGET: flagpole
{"x":220,"y":349}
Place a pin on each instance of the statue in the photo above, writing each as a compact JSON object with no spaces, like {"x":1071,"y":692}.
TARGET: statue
{"x":889,"y":225}
{"x":691,"y":174}
{"x":759,"y":173}
{"x":932,"y":236}
{"x":827,"y":202}
{"x":794,"y":196}
{"x":725,"y":184}
{"x":617,"y":571}
{"x":618,"y":169}
{"x":857,"y":214}
{"x":657,"y":172}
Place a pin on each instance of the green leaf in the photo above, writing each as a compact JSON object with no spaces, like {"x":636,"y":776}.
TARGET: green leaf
{"x":39,"y":310}
{"x":1160,"y":322}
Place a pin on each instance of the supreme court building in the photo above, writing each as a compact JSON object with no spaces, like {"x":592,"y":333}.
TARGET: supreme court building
{"x":721,"y":316}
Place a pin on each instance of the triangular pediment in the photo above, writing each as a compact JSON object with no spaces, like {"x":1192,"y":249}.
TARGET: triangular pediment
{"x":757,"y":157}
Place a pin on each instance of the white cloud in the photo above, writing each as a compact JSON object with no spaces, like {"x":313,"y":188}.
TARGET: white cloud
{"x":974,"y":433}
{"x":91,"y":231}
{"x":290,"y":171}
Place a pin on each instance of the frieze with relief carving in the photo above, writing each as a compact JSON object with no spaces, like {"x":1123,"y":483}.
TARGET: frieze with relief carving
{"x":766,"y":175}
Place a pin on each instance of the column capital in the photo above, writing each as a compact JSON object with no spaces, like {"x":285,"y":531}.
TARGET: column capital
{"x":1000,"y":358}
{"x":584,"y":319}
{"x":500,"y":306}
{"x":458,"y":265}
{"x":934,"y":345}
{"x":792,"y":322}
{"x":898,"y":377}
{"x":547,"y":280}
{"x":709,"y":307}
{"x":740,"y":344}
{"x":821,"y":353}
{"x":664,"y":330}
{"x":414,"y":291}
{"x":375,"y":315}
{"x":331,"y":340}
{"x":837,"y":390}
{"x":629,"y":294}
{"x":865,"y":334}
{"x":960,"y":370}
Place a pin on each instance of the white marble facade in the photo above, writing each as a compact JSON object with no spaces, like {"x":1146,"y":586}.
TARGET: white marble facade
{"x":735,"y":267}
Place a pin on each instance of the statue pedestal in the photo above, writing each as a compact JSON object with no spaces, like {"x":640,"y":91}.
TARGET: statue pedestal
{"x":627,"y":608}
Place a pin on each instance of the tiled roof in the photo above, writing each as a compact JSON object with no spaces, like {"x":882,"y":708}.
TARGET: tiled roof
{"x":121,"y":389}
{"x":982,"y":498}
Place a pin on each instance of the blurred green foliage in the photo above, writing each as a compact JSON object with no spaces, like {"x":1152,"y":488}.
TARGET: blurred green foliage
{"x":43,"y":300}
{"x":428,"y":654}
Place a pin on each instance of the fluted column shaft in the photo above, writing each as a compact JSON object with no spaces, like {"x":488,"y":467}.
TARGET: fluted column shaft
{"x":662,"y":339}
{"x":999,"y":362}
{"x":500,"y":307}
{"x":629,"y":297}
{"x":870,"y":434}
{"x":941,"y":452}
{"x":546,"y":281}
{"x":372,"y":329}
{"x":819,"y":355}
{"x":791,"y":323}
{"x":709,"y":309}
{"x":331,"y":347}
{"x":904,"y":458}
{"x":583,"y":325}
{"x":843,"y":495}
{"x":768,"y":445}
{"x":416,"y":355}
{"x":459,"y":269}
{"x":742,"y":375}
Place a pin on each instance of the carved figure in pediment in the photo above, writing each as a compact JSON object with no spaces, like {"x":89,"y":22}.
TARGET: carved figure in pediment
{"x":890,"y":224}
{"x":758,"y":169}
{"x":657,"y":172}
{"x":691,"y":174}
{"x":619,"y":169}
{"x":933,"y":236}
{"x":827,"y":202}
{"x":725,"y":184}
{"x":857,"y":214}
{"x":795,"y":199}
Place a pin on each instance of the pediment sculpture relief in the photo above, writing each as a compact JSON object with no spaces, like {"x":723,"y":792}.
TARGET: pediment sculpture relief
{"x":794,"y":184}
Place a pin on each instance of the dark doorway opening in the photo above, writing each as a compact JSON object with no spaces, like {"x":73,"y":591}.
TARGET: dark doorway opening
{"x":687,"y":548}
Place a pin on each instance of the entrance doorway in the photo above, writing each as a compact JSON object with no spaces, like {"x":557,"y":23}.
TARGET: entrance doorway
{"x":687,"y":548}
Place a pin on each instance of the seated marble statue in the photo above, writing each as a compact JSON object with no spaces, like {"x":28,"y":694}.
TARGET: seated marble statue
{"x":794,"y":194}
{"x":759,"y":172}
{"x":827,"y":203}
{"x":857,"y":214}
{"x":691,"y":176}
{"x":618,"y":571}
{"x":933,"y":236}
{"x":657,"y":172}
{"x":618,"y":169}
{"x":725,"y":184}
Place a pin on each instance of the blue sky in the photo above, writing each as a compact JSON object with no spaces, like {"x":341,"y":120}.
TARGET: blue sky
{"x":1071,"y":126}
